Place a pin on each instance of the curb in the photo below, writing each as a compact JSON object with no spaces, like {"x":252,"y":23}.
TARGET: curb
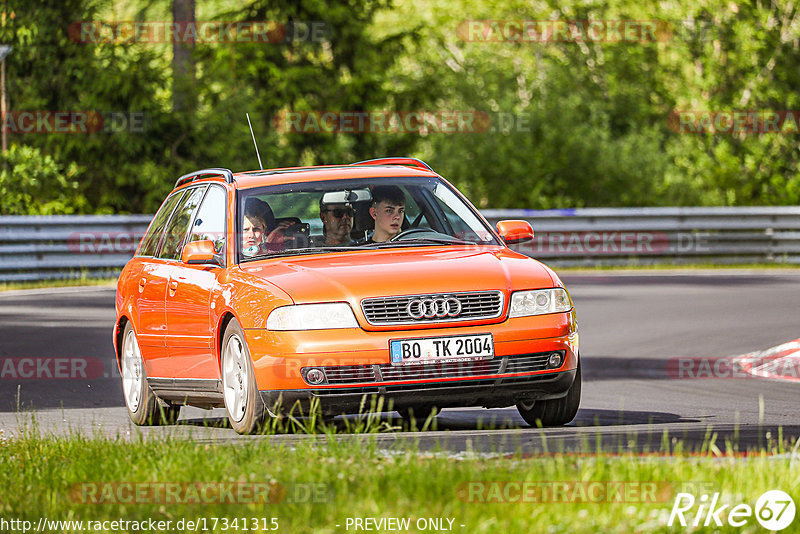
{"x":781,"y":362}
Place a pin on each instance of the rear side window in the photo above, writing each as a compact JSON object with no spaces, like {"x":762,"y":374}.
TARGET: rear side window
{"x":150,"y":242}
{"x":178,"y":225}
{"x":210,"y":221}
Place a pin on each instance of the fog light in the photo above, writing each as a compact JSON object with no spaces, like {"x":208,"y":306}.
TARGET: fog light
{"x":555,"y":360}
{"x":315,"y":376}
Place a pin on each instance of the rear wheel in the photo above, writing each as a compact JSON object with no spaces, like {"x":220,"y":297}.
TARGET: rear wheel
{"x":246,"y":410}
{"x":554,"y":412}
{"x":142,"y":403}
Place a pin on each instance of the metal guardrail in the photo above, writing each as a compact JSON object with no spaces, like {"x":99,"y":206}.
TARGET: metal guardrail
{"x":643,"y":236}
{"x":67,"y":246}
{"x":40,"y":248}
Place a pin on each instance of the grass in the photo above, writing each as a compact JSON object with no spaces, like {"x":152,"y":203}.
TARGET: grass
{"x":314,"y":485}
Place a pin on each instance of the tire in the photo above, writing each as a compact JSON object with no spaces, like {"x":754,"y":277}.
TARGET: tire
{"x":243,"y":403}
{"x":142,"y":404}
{"x":554,"y":412}
{"x":418,"y":413}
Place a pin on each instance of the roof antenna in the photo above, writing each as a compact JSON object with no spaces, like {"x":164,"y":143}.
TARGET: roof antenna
{"x":254,"y":141}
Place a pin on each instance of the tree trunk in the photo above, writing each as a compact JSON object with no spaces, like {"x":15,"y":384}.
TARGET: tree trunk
{"x":183,"y":15}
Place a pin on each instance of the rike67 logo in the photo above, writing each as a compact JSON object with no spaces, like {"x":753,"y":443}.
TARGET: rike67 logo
{"x":774,"y":510}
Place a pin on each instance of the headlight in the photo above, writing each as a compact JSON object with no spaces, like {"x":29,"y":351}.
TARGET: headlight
{"x":539,"y":302}
{"x":312,"y":317}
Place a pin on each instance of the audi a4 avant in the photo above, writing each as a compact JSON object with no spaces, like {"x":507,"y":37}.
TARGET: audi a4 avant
{"x":262,"y":291}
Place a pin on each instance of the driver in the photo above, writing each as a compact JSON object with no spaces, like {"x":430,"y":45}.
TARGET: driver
{"x":337,"y":222}
{"x":388,"y":209}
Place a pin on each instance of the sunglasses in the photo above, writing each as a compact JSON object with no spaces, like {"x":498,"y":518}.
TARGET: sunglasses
{"x":341,"y":212}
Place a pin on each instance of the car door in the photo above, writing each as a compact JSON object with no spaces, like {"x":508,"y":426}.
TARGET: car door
{"x":149,"y":315}
{"x":190,"y":332}
{"x":166,"y":261}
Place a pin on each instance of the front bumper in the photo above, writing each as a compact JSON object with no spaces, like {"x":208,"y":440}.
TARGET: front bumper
{"x":278,"y":357}
{"x":490,"y":393}
{"x":362,"y":357}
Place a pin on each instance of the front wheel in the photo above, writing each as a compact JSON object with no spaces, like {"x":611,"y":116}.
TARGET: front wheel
{"x":246,"y":410}
{"x":142,"y":403}
{"x":554,"y":412}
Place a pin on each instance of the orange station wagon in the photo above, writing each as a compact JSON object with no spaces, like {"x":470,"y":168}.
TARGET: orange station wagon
{"x":261,"y":291}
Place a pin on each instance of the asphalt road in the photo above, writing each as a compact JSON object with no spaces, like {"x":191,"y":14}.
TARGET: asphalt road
{"x":631,"y":325}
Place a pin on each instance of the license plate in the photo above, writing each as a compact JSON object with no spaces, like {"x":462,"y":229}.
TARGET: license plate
{"x":442,"y":349}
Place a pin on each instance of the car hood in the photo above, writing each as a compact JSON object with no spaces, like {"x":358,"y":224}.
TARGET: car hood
{"x":353,"y":276}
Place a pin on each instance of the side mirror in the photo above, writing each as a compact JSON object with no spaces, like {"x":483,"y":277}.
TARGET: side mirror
{"x":199,"y":253}
{"x":514,"y":232}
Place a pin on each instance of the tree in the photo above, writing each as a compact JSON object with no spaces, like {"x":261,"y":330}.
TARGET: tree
{"x":183,"y":69}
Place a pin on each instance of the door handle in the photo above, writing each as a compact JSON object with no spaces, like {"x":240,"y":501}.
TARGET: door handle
{"x":173,"y":287}
{"x":142,"y":283}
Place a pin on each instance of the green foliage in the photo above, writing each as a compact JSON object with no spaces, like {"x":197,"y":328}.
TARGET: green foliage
{"x":33,"y":183}
{"x":123,"y":170}
{"x":346,"y":72}
{"x":573,"y":124}
{"x":595,"y":115}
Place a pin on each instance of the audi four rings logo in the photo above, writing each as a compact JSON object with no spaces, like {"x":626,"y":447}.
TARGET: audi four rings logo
{"x":428,"y":308}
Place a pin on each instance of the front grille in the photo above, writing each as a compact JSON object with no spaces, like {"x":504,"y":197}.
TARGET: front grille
{"x":387,"y":311}
{"x":349,"y":374}
{"x":465,"y":387}
{"x":442,"y":370}
{"x":500,"y":367}
{"x":525,"y":363}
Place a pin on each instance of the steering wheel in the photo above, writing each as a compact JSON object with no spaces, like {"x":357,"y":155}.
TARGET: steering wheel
{"x":411,"y":231}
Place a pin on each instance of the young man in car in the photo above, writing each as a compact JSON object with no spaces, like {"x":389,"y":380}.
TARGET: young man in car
{"x":388,"y":209}
{"x":337,"y":222}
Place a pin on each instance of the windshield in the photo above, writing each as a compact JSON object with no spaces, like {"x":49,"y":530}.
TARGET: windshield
{"x":355,"y":214}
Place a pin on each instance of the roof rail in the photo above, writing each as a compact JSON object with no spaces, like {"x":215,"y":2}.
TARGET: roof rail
{"x":186,"y":178}
{"x":410,"y":162}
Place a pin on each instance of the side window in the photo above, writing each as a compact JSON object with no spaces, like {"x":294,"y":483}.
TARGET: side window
{"x":150,"y":242}
{"x":178,"y":225}
{"x":210,"y":221}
